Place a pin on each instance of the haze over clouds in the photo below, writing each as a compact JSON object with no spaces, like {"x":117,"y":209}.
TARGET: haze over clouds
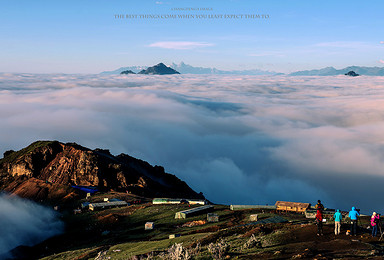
{"x":179,"y":45}
{"x":238,"y":139}
{"x":24,"y":222}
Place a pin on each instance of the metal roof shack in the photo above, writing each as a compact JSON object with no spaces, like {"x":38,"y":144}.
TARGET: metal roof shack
{"x":197,"y":202}
{"x":291,"y":206}
{"x":193,"y":212}
{"x":85,"y":205}
{"x":149,"y":226}
{"x":107,"y":205}
{"x":166,"y":201}
{"x":212,"y":217}
{"x":178,"y":201}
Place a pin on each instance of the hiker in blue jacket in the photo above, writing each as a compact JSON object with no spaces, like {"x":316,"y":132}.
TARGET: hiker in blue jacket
{"x":353,"y":215}
{"x":338,"y":217}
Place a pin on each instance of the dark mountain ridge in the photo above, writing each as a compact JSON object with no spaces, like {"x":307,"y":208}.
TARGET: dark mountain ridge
{"x":159,"y":69}
{"x":127,"y":72}
{"x":331,"y":71}
{"x":184,"y":68}
{"x":328,"y":71}
{"x":48,"y":169}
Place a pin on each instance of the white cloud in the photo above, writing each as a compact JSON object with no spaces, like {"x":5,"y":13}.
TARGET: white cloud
{"x":25,"y":223}
{"x":238,"y":139}
{"x":180,"y":45}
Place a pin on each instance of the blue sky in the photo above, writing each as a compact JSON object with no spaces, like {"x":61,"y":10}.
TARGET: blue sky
{"x":85,"y":37}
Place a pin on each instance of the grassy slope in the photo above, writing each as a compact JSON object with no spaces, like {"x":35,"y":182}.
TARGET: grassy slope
{"x":130,"y":227}
{"x":17,"y":154}
{"x":127,"y":237}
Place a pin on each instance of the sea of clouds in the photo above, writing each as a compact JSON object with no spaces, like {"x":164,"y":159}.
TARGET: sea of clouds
{"x":237,"y":139}
{"x":24,"y":222}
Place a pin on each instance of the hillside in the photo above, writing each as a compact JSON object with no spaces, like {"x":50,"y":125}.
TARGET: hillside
{"x":119,"y":234}
{"x":46,"y":170}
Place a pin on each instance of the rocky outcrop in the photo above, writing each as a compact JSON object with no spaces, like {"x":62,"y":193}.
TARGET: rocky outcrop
{"x":46,"y":166}
{"x":159,"y":69}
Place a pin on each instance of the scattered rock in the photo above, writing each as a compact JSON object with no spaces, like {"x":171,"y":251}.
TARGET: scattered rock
{"x":375,"y":252}
{"x":277,"y":253}
{"x":195,"y":223}
{"x":102,"y":255}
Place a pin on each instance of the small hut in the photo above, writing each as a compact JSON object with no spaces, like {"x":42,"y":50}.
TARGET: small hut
{"x":211,"y":217}
{"x":149,"y":226}
{"x":193,"y":212}
{"x":292,"y":206}
{"x":107,"y":205}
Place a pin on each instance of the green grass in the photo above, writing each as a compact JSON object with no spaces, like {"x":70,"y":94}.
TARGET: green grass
{"x":88,"y":253}
{"x":129,"y":230}
{"x":127,"y":250}
{"x":138,"y":248}
{"x":127,"y":237}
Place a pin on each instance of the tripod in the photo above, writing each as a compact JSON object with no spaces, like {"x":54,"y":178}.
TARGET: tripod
{"x":381,"y":232}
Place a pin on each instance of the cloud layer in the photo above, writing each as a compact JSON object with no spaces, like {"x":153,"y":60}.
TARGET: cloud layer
{"x":238,"y":139}
{"x":24,"y":222}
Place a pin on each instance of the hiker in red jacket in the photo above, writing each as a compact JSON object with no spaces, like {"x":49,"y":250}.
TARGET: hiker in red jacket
{"x":319,"y":222}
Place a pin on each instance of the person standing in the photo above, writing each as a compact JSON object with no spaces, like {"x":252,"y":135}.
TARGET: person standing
{"x":353,"y":215}
{"x":374,"y":222}
{"x":338,"y":217}
{"x":319,"y":222}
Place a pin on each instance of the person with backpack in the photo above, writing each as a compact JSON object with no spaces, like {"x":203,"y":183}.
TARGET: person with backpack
{"x":353,"y":215}
{"x":374,"y":223}
{"x":319,"y":222}
{"x":338,"y":217}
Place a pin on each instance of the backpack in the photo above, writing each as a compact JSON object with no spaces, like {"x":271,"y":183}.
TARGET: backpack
{"x":319,"y":206}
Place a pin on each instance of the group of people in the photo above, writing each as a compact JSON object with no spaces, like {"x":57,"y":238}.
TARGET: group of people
{"x":353,"y":215}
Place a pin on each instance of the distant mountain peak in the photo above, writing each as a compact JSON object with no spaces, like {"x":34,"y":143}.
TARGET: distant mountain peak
{"x":351,"y":73}
{"x":127,"y":72}
{"x":159,"y":69}
{"x":331,"y":71}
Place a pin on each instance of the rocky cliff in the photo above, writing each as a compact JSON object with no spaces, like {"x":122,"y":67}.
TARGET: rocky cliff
{"x":48,"y":169}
